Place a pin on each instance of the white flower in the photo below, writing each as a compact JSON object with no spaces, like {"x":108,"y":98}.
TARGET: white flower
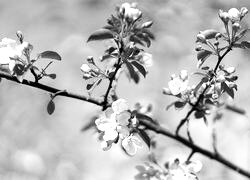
{"x":184,"y":171}
{"x":230,"y":70}
{"x":234,"y":14}
{"x":119,"y":106}
{"x":243,"y":11}
{"x":178,"y":84}
{"x":114,"y":122}
{"x":85,"y":68}
{"x":146,"y":59}
{"x":9,"y":49}
{"x":131,"y":144}
{"x":130,"y":11}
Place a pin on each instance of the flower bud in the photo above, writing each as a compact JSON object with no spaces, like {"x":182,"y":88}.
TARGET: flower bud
{"x":243,"y":12}
{"x":166,"y":91}
{"x":184,"y":75}
{"x":85,"y":68}
{"x":147,"y":24}
{"x":198,"y":48}
{"x":236,"y":26}
{"x":20,"y":36}
{"x":234,"y":15}
{"x":230,"y":70}
{"x":216,"y":43}
{"x":218,"y":35}
{"x":221,"y":78}
{"x":90,"y":60}
{"x":224,"y":16}
{"x":201,"y":38}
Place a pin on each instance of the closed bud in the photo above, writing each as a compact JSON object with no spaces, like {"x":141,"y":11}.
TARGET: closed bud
{"x":243,"y":12}
{"x":221,"y":78}
{"x":218,"y":35}
{"x":224,"y":16}
{"x":166,"y":91}
{"x":198,"y":48}
{"x":201,"y":38}
{"x":230,"y":70}
{"x":216,"y":43}
{"x":236,"y":26}
{"x":20,"y":36}
{"x":147,"y":24}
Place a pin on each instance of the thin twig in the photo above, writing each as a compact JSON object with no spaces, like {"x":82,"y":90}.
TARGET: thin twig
{"x":163,"y":131}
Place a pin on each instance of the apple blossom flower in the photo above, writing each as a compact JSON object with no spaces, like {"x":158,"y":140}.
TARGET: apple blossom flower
{"x":146,"y":59}
{"x":178,"y":84}
{"x":113,"y":123}
{"x":130,"y":11}
{"x":234,"y":15}
{"x":184,"y":171}
{"x":224,"y":16}
{"x":131,"y":144}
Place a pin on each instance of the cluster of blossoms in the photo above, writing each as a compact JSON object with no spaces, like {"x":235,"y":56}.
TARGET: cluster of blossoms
{"x":11,"y":55}
{"x":116,"y":123}
{"x":172,"y":171}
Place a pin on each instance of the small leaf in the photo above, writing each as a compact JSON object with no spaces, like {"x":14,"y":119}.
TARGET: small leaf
{"x":199,"y":114}
{"x":227,"y":89}
{"x":245,"y":44}
{"x":50,"y":55}
{"x":89,"y":124}
{"x":140,"y":68}
{"x":89,"y":86}
{"x":202,"y":56}
{"x":132,"y":72}
{"x":52,"y":76}
{"x":145,"y":117}
{"x":101,"y":34}
{"x":179,"y":104}
{"x":144,"y":137}
{"x":50,"y":107}
{"x":236,"y":109}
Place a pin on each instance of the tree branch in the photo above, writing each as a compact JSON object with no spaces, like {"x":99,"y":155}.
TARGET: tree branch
{"x":51,"y":89}
{"x":195,"y":148}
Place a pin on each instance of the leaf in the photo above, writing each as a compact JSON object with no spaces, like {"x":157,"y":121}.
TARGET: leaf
{"x":145,"y":117}
{"x":170,"y":105}
{"x":202,"y":56}
{"x":199,"y":114}
{"x":89,"y":86}
{"x":179,"y":104}
{"x":245,"y":44}
{"x":101,"y":34}
{"x":144,"y":137}
{"x":50,"y":107}
{"x":52,"y":76}
{"x":89,"y":124}
{"x":132,"y":72}
{"x":50,"y":55}
{"x":137,"y":40}
{"x":236,"y":109}
{"x":227,"y":89}
{"x":140,"y":68}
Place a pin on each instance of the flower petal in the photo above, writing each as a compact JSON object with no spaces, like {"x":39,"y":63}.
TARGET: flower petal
{"x":119,"y":106}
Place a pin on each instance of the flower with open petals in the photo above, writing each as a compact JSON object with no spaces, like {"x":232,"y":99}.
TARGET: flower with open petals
{"x":146,"y":59}
{"x":131,"y":144}
{"x":113,"y":123}
{"x":178,"y":84}
{"x":234,"y":15}
{"x":130,"y":11}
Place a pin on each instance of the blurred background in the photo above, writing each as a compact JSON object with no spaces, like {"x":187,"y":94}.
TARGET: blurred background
{"x":38,"y":146}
